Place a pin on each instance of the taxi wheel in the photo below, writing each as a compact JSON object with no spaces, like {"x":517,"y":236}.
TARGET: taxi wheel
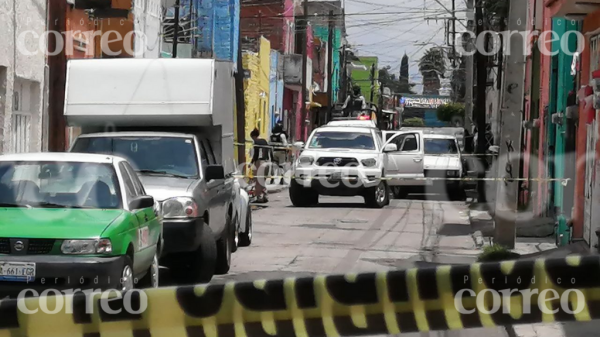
{"x":150,"y":280}
{"x":127,"y":280}
{"x":225,"y":248}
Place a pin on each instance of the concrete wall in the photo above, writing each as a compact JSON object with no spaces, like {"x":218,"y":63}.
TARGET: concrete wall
{"x":147,"y":25}
{"x":22,"y":75}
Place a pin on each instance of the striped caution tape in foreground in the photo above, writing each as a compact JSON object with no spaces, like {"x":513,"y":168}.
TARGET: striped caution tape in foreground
{"x":331,"y":306}
{"x":563,"y":181}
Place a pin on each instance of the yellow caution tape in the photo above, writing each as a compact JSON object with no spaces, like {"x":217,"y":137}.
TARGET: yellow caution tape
{"x":564,"y":181}
{"x":414,"y":300}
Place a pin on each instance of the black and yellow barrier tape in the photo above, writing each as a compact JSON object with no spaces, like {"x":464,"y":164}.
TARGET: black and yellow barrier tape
{"x":563,"y":181}
{"x":414,"y":300}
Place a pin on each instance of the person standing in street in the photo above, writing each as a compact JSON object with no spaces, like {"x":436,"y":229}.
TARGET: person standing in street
{"x":261,"y":158}
{"x":279,"y":139}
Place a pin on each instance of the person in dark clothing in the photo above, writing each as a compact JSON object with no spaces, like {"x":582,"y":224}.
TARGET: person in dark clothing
{"x":279,"y":140}
{"x":263,"y":154}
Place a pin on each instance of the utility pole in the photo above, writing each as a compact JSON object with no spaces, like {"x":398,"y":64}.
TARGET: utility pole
{"x":454,"y":33}
{"x":176,"y":29}
{"x":57,"y":65}
{"x":330,"y":66}
{"x":372,"y":82}
{"x":480,"y":107}
{"x":468,"y":47}
{"x":343,"y":75}
{"x":304,"y":34}
{"x":507,"y":195}
{"x":240,"y":106}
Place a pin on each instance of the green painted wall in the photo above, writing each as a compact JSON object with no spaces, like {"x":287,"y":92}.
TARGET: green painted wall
{"x":323,"y":34}
{"x":558,"y":98}
{"x":362,"y":78}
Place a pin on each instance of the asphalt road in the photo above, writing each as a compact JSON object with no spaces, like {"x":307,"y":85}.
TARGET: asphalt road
{"x":342,"y":235}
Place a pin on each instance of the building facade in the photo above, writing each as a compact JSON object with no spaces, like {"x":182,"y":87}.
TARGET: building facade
{"x":23,"y":76}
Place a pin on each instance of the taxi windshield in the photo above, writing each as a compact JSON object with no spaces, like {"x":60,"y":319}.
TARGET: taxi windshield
{"x":59,"y":185}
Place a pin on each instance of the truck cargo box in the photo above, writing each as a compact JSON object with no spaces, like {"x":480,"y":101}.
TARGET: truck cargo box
{"x":150,"y":92}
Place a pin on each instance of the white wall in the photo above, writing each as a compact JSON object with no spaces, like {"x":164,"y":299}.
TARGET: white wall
{"x":22,"y":74}
{"x":147,"y":25}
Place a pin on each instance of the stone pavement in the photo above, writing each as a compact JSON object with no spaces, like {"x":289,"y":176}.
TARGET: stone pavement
{"x":341,"y":235}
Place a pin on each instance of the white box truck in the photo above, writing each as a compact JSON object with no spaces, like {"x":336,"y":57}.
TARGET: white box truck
{"x":172,"y":119}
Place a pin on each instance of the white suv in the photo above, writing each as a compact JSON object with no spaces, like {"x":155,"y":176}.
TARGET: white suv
{"x":341,"y":161}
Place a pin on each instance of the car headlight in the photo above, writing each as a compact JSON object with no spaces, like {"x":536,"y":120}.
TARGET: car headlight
{"x":452,"y":174}
{"x":179,"y":208}
{"x":86,"y":247}
{"x":305,"y":160}
{"x":370,"y":162}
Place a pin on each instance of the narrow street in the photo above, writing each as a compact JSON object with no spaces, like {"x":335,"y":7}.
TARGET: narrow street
{"x":341,"y":235}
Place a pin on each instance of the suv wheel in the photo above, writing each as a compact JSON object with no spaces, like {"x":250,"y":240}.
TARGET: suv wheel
{"x":301,"y":196}
{"x":378,"y":196}
{"x":225,"y":248}
{"x":198,"y":266}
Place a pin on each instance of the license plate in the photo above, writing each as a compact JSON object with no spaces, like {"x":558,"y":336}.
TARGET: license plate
{"x":336,"y":176}
{"x":17,"y":271}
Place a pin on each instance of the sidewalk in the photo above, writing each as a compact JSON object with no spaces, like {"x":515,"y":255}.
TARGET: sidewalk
{"x":529,"y":248}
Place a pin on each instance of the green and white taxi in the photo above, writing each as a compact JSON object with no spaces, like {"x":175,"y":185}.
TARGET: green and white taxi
{"x":75,"y":221}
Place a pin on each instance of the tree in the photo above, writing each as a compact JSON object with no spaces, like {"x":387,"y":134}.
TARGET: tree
{"x":414,"y":122}
{"x":432,"y":67}
{"x":452,"y":113}
{"x":404,"y":70}
{"x":389,"y":80}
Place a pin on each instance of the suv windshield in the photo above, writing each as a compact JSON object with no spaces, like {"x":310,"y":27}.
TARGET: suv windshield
{"x":170,"y":156}
{"x":342,"y":140}
{"x":440,"y":146}
{"x":58,"y":185}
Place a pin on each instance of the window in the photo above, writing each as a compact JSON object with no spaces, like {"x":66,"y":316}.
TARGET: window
{"x":204,"y":156}
{"x":59,"y":185}
{"x":137,"y":184}
{"x":129,"y":188}
{"x":342,"y":140}
{"x":211,"y":153}
{"x":167,"y":156}
{"x":440,"y":146}
{"x":594,"y":54}
{"x":406,"y":143}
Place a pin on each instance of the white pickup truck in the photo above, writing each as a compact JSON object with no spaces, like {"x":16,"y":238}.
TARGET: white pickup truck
{"x":423,"y":155}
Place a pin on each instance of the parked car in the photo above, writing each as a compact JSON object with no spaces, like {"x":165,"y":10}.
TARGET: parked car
{"x":341,"y":161}
{"x":73,"y":221}
{"x":421,"y":156}
{"x":243,"y":217}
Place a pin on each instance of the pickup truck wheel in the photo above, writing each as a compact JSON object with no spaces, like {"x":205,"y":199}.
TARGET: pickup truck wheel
{"x":150,"y":280}
{"x":198,"y":266}
{"x":246,"y":237}
{"x":225,"y":248}
{"x":301,"y":196}
{"x":378,"y":196}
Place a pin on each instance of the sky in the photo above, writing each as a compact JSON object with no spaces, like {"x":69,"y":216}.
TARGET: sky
{"x":390,"y":28}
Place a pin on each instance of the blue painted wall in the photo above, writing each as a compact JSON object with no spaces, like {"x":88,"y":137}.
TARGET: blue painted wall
{"x":217,"y":26}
